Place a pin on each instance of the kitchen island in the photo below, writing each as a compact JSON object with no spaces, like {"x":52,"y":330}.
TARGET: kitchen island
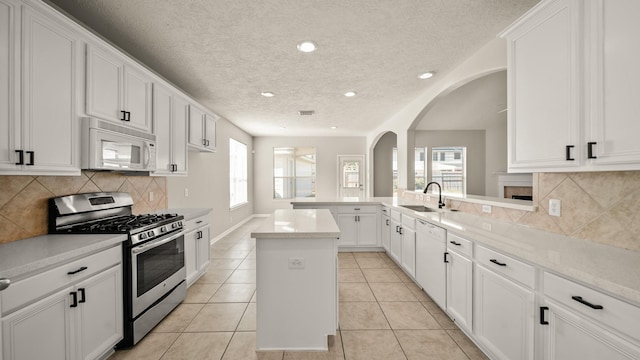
{"x":296,"y":280}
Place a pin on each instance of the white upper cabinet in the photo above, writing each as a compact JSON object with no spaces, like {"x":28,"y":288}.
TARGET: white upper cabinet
{"x":202,"y":130}
{"x":614,"y":74}
{"x":170,"y":125}
{"x":38,"y":117}
{"x":117,"y":90}
{"x":571,"y":68}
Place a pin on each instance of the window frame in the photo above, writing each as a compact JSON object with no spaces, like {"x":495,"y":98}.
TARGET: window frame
{"x":233,"y":175}
{"x":293,"y":179}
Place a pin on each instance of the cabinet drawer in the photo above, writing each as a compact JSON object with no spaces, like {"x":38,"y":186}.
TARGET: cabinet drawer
{"x":614,"y":313}
{"x":351,"y":209}
{"x":506,"y":266}
{"x":32,"y":288}
{"x":408,"y":222}
{"x":428,"y":228}
{"x":197,"y":222}
{"x":386,"y":211}
{"x":459,"y":245}
{"x":395,"y":215}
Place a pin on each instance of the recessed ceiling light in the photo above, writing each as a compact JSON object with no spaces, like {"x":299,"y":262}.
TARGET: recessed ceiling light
{"x":307,"y":46}
{"x":334,"y":127}
{"x":426,"y":75}
{"x":350,"y":94}
{"x":267,"y":94}
{"x":306,"y":112}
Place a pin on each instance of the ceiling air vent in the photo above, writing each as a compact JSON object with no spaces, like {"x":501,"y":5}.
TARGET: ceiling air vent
{"x":306,"y":112}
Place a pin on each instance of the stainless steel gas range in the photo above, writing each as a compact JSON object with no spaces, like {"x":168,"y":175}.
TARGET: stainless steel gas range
{"x":153,"y":255}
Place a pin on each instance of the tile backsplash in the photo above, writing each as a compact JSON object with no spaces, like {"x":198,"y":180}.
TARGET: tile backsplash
{"x":23,"y":199}
{"x":602,"y":207}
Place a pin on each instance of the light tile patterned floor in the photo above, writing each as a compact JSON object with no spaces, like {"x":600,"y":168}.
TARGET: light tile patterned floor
{"x":383,"y":314}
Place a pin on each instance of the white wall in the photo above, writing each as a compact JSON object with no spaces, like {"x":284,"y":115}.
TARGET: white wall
{"x":327,"y":151}
{"x":473,"y":140}
{"x":208,"y":181}
{"x":496,"y":157}
{"x":490,"y":58}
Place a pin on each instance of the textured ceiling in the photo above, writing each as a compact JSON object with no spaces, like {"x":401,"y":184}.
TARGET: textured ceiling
{"x":225,"y":52}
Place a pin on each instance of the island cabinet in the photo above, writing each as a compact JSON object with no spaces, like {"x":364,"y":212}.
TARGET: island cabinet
{"x":431,"y":260}
{"x":582,"y":120}
{"x":39,"y":68}
{"x":460,"y":281}
{"x":296,"y":280}
{"x":358,"y":225}
{"x":197,"y":250}
{"x":72,"y":311}
{"x":118,"y":89}
{"x":503,"y":305}
{"x":582,"y":323}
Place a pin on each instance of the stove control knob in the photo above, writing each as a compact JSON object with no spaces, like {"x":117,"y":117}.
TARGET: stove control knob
{"x":163,"y":229}
{"x":150,"y":233}
{"x":143,"y":236}
{"x":174,"y":225}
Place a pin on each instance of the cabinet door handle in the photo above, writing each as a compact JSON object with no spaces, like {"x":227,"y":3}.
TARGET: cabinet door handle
{"x":82,"y":296}
{"x":497,"y":262}
{"x":128,"y":115}
{"x":4,"y":283}
{"x":387,"y":222}
{"x":568,"y":153}
{"x":455,"y":243}
{"x":585,"y":302}
{"x":445,"y":257}
{"x":74,"y":299}
{"x":20,"y":157}
{"x":590,"y":150}
{"x":401,"y":231}
{"x":124,"y":115}
{"x":77,"y":271}
{"x":204,"y":142}
{"x":32,"y":157}
{"x":542,"y":320}
{"x":397,"y":228}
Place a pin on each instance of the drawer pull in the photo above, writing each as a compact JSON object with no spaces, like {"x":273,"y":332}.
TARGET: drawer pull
{"x":497,"y":262}
{"x":4,"y":283}
{"x":542,"y":320}
{"x":445,"y":258}
{"x":77,"y":271}
{"x":568,"y":153}
{"x":585,"y":302}
{"x":356,"y":208}
{"x":199,"y":222}
{"x":455,"y":243}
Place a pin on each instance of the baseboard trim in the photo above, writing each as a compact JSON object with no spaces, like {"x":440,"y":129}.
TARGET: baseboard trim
{"x":236,"y":226}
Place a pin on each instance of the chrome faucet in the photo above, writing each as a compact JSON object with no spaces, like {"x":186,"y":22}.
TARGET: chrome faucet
{"x":440,"y":202}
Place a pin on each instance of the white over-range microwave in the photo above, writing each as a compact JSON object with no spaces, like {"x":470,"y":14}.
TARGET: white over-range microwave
{"x":108,"y":146}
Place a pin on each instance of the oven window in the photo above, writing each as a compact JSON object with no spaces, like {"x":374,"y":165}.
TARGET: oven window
{"x":156,"y":265}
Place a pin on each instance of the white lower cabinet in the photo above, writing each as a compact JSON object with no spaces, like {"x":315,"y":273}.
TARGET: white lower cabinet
{"x":81,"y":321}
{"x":385,"y":226}
{"x":503,"y":315}
{"x":568,"y":335}
{"x":358,"y":225}
{"x":431,"y":261}
{"x":197,"y":251}
{"x":395,"y":241}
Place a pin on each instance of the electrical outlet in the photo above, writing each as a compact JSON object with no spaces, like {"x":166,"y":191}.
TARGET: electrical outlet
{"x":186,"y":192}
{"x":428,"y":198}
{"x":555,"y":207}
{"x":486,"y":209}
{"x":296,"y":263}
{"x":486,"y":226}
{"x":150,"y":195}
{"x":417,"y":197}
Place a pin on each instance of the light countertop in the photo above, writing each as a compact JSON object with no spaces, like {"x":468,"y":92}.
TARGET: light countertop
{"x":188,"y":213}
{"x":298,"y":224}
{"x":30,"y":255}
{"x":611,"y":269}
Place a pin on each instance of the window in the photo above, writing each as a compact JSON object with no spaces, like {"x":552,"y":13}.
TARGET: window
{"x":448,"y":168}
{"x":237,"y":173}
{"x":420,"y":168}
{"x":294,"y":173}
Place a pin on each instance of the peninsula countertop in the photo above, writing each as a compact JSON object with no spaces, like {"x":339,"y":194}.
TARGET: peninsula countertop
{"x":611,"y":269}
{"x":295,"y":224}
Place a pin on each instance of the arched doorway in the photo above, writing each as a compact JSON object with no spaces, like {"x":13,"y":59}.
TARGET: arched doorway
{"x":383,"y":170}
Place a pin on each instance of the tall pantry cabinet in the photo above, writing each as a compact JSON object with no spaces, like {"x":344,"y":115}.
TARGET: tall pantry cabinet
{"x":38,"y":92}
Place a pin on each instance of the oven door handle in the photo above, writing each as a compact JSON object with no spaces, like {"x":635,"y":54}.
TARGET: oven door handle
{"x":155,"y":243}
